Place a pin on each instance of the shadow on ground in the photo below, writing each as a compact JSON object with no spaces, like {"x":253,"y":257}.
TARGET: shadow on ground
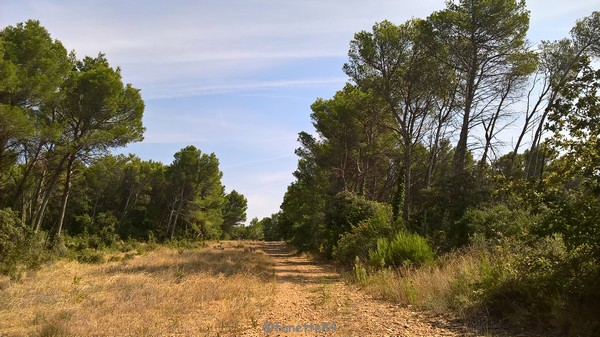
{"x":290,"y":267}
{"x":227,"y":262}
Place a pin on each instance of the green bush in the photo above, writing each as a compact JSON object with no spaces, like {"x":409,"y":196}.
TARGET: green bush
{"x":360,"y":272}
{"x":404,"y":249}
{"x":98,"y":233}
{"x":13,"y":236}
{"x":498,"y":222}
{"x":19,"y":246}
{"x":540,"y":282}
{"x":90,"y":256}
{"x":362,"y":238}
{"x":345,"y":212}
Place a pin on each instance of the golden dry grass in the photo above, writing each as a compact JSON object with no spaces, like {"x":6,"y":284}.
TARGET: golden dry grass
{"x":439,"y":288}
{"x":168,"y":292}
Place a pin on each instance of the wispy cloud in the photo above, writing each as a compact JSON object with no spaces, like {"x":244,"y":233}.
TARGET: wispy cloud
{"x":260,"y":161}
{"x":158,"y":137}
{"x":185,"y":90}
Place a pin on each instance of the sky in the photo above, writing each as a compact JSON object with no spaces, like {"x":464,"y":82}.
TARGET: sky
{"x":237,"y":77}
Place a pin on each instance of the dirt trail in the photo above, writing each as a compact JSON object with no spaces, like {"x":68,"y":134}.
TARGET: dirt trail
{"x":308,"y":292}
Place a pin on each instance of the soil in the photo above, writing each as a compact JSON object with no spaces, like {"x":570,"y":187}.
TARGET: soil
{"x":310,"y":297}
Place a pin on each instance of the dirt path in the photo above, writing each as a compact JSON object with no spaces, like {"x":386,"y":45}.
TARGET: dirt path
{"x":308,"y":292}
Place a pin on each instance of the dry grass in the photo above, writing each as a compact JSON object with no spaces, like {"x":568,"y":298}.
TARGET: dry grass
{"x":443,"y":287}
{"x":168,"y":292}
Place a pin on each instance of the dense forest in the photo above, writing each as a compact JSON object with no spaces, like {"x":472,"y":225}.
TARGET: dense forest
{"x":411,"y":160}
{"x":458,"y":170}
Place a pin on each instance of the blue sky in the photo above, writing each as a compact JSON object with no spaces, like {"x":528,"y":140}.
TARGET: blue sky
{"x":237,"y":77}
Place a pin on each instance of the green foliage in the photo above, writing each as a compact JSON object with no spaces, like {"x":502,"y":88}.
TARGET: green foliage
{"x":254,"y":231}
{"x":572,"y":214}
{"x":497,"y":222}
{"x":12,"y":241}
{"x":19,"y":247}
{"x":352,"y":128}
{"x":98,"y":232}
{"x":363,"y":237}
{"x":234,"y":213}
{"x":197,"y":193}
{"x":90,"y":256}
{"x":405,"y":249}
{"x":345,"y":212}
{"x":360,"y":272}
{"x":272,"y":227}
{"x":575,"y":122}
{"x":447,"y":201}
{"x":542,"y":282}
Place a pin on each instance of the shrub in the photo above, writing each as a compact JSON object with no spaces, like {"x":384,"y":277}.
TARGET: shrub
{"x":12,"y":241}
{"x":363,"y":237}
{"x":99,"y":233}
{"x":19,"y":245}
{"x":403,"y":250}
{"x":345,"y":212}
{"x":498,"y":222}
{"x":360,"y":272}
{"x":544,"y":283}
{"x":90,"y":256}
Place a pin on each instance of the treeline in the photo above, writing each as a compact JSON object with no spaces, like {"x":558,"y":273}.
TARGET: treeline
{"x":59,"y":118}
{"x":410,"y":158}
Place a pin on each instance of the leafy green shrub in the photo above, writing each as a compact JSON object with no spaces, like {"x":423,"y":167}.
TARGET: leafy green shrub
{"x":360,"y":272}
{"x":90,"y":256}
{"x":498,"y":222}
{"x":362,"y":238}
{"x":574,"y":215}
{"x":541,"y":282}
{"x":13,"y":237}
{"x":345,"y":212}
{"x":99,"y":233}
{"x":19,"y":246}
{"x":404,"y":249}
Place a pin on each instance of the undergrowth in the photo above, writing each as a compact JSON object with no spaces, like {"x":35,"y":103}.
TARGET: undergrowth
{"x":539,"y":284}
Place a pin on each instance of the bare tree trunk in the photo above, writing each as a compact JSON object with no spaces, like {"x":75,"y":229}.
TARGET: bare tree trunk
{"x":28,"y":169}
{"x":461,"y":147}
{"x":489,"y":128}
{"x":125,"y":209}
{"x":170,"y":219}
{"x":529,"y":118}
{"x":175,"y":220}
{"x":407,"y":180}
{"x":38,"y":215}
{"x":56,"y":230}
{"x":179,"y":202}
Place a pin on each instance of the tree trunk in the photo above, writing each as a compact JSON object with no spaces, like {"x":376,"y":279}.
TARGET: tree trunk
{"x":56,"y":230}
{"x":177,"y":211}
{"x":528,"y":119}
{"x":21,"y":185}
{"x":407,"y":178}
{"x":125,"y":209}
{"x":175,"y":220}
{"x":38,"y":215}
{"x":461,"y":147}
{"x":532,"y":159}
